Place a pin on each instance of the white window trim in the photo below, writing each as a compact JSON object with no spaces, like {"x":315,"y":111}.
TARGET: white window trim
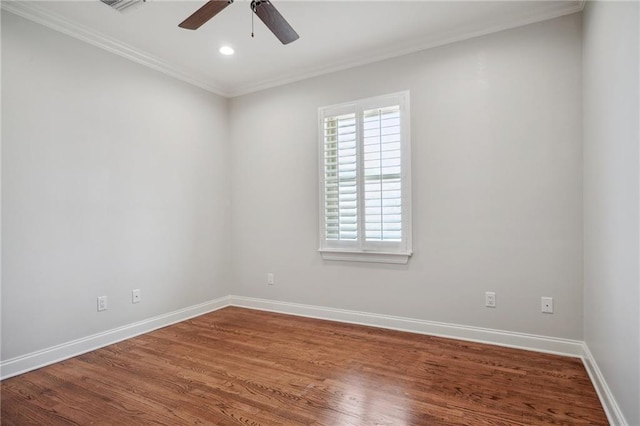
{"x":365,"y":256}
{"x":358,"y":251}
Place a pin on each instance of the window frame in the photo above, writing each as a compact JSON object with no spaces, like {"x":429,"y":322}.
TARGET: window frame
{"x":362,"y":250}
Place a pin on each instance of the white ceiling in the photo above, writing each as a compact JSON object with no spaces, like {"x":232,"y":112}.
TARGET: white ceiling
{"x":333,"y":34}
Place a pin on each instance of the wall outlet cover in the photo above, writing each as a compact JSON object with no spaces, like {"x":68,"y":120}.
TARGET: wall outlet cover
{"x":490,"y":299}
{"x":102,"y":303}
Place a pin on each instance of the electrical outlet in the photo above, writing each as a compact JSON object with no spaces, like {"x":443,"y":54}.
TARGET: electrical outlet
{"x":270,"y":279}
{"x":136,"y":297}
{"x":490,"y":299}
{"x":102,"y":303}
{"x":547,"y":305}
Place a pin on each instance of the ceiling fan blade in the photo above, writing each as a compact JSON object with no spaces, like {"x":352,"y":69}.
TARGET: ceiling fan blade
{"x":202,"y":15}
{"x":267,"y":12}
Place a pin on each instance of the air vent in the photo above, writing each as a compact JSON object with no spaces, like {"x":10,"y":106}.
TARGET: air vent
{"x":121,"y":5}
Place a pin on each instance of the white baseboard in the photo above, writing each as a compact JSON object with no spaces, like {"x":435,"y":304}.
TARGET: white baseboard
{"x":574,"y":348}
{"x":475,"y":334}
{"x":22,"y":364}
{"x":611,"y":408}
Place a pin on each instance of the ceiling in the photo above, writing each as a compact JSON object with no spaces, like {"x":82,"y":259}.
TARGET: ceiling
{"x":333,"y":34}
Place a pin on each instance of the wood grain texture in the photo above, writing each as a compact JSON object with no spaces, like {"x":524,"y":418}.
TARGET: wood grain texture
{"x":241,"y":366}
{"x":202,"y":15}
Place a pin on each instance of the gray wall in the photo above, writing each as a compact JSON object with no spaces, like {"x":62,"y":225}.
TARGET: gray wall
{"x":497,"y":185}
{"x":114,"y":177}
{"x":611,"y":216}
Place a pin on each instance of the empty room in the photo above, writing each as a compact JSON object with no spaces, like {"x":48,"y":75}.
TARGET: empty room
{"x":320,"y":212}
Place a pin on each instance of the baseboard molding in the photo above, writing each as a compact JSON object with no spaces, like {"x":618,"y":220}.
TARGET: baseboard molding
{"x":532,"y":342}
{"x":574,"y":348}
{"x":611,"y":408}
{"x":22,"y":364}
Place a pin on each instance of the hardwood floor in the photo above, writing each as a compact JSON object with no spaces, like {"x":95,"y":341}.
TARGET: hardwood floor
{"x":239,"y":366}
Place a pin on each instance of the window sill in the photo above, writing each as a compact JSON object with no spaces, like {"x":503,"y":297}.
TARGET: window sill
{"x":365,"y":256}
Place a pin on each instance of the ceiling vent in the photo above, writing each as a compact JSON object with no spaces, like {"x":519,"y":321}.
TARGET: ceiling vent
{"x":121,"y":5}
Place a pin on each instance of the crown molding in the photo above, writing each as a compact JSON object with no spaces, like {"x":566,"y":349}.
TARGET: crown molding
{"x":582,"y":4}
{"x":56,"y":22}
{"x":30,"y":11}
{"x":400,"y":50}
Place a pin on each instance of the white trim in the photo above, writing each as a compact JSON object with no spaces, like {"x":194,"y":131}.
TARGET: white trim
{"x":611,"y":408}
{"x":397,"y":51}
{"x":58,"y":23}
{"x":360,"y":249}
{"x":22,"y":364}
{"x":365,"y":256}
{"x":545,"y":344}
{"x":29,"y":11}
{"x":558,"y":346}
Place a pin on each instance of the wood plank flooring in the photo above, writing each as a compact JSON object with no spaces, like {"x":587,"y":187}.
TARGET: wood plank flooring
{"x":240,"y":366}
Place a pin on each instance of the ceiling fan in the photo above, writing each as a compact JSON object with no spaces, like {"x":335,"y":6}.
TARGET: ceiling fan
{"x":265,"y":10}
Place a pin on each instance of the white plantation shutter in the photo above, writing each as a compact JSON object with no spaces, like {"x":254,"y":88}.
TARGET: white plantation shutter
{"x":340,"y":164}
{"x":365,"y":180}
{"x":382,"y":175}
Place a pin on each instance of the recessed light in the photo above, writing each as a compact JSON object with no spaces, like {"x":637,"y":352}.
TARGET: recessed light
{"x":227,"y":50}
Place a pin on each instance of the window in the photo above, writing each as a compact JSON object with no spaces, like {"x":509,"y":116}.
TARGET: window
{"x":365,"y":193}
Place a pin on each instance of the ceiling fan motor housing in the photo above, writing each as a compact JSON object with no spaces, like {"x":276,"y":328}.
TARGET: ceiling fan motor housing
{"x":265,"y":10}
